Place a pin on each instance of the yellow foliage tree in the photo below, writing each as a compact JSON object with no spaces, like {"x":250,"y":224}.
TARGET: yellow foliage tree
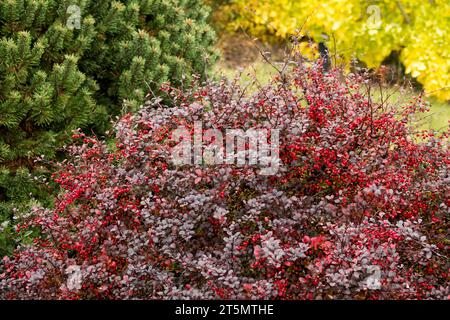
{"x":368,"y":30}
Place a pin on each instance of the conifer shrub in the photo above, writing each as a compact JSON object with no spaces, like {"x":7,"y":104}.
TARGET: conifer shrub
{"x":358,"y":209}
{"x":71,"y":64}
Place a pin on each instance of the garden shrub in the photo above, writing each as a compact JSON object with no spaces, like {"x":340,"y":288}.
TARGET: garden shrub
{"x":357,"y":209}
{"x":70,"y":64}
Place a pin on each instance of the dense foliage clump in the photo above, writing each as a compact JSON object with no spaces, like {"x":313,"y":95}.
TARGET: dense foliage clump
{"x":71,"y":64}
{"x":357,"y":209}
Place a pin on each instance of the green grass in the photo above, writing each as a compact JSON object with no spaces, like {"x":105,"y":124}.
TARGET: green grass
{"x":260,"y":69}
{"x":436,"y":119}
{"x":439,"y":116}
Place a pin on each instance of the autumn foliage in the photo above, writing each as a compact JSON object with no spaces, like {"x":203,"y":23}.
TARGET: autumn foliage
{"x":358,"y":210}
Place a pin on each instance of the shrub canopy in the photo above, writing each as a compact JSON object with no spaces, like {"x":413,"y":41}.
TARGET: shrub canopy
{"x":357,"y":210}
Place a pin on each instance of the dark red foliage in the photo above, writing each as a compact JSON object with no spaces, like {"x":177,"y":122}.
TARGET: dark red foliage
{"x":358,"y":210}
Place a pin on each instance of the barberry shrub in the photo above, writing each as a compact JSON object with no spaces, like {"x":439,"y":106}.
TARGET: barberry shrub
{"x":374,"y":32}
{"x":358,"y":209}
{"x":71,"y":64}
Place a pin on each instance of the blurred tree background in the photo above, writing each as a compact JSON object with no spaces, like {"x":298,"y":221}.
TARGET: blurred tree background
{"x":415,"y":32}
